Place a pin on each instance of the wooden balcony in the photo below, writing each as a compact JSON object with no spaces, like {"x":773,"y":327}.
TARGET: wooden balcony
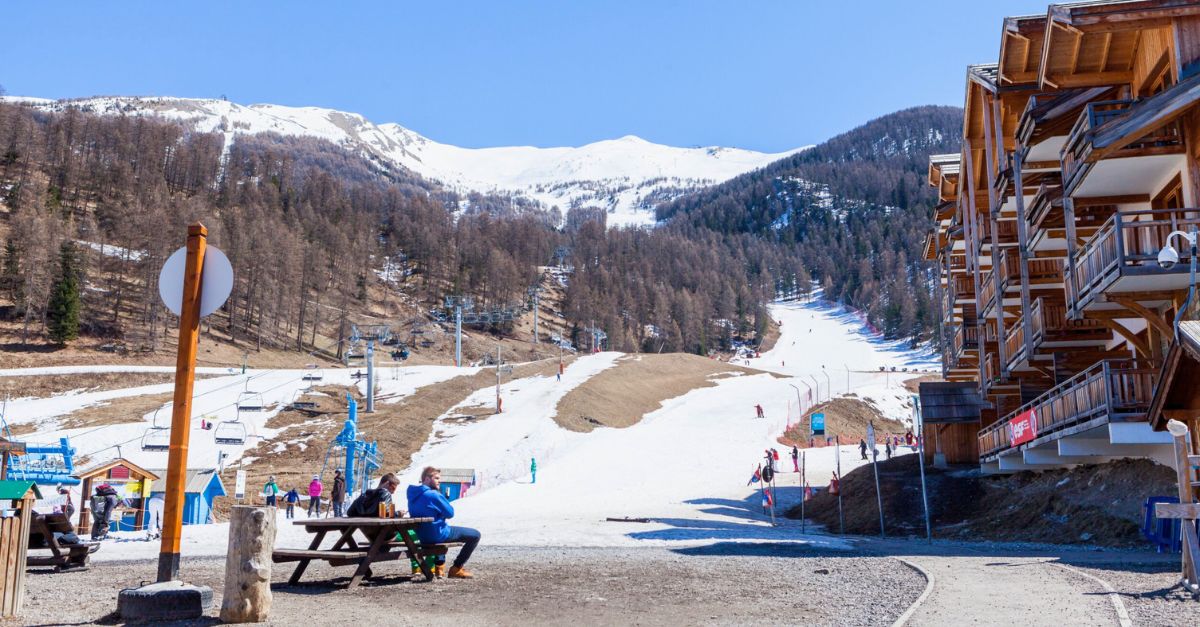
{"x":958,"y":264}
{"x":1051,"y":328}
{"x":987,"y":290}
{"x":1014,"y":343}
{"x":991,"y":370}
{"x":1112,"y":390}
{"x":1006,"y":232}
{"x":965,"y":340}
{"x":1042,"y":272}
{"x":1123,"y":257}
{"x":963,"y":288}
{"x":1077,"y":154}
{"x":1046,"y":209}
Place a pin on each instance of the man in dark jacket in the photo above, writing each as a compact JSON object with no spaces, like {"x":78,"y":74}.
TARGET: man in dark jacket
{"x":338,"y":495}
{"x":367,"y":503}
{"x":103,"y":504}
{"x":426,"y":501}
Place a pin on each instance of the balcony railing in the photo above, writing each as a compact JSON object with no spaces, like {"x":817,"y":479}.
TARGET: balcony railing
{"x":991,"y":371}
{"x":1127,"y":244}
{"x":1076,"y":153}
{"x":1014,"y":342}
{"x":958,"y":263}
{"x":1045,"y":210}
{"x":1115,"y":389}
{"x":1048,"y":322}
{"x":987,"y":290}
{"x":1041,"y":271}
{"x":966,"y":338}
{"x":964,"y":288}
{"x":1006,"y":232}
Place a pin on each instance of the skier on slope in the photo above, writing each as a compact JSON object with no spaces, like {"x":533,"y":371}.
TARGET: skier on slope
{"x":862,"y":448}
{"x":796,"y":458}
{"x":759,"y":411}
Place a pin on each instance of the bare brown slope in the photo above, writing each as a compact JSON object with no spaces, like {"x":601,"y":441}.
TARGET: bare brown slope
{"x":400,"y":428}
{"x":637,"y":385}
{"x":1094,"y":504}
{"x":846,"y":417}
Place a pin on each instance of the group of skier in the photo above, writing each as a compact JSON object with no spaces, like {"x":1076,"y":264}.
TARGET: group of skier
{"x":337,"y":496}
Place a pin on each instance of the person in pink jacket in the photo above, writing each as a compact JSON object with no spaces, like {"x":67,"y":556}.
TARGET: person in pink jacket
{"x":314,"y":496}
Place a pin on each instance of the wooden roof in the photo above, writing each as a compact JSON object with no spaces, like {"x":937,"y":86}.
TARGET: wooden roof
{"x":980,"y":79}
{"x":1097,"y":43}
{"x":949,"y":402}
{"x":100,"y":469}
{"x":1184,"y":355}
{"x":1021,"y":49}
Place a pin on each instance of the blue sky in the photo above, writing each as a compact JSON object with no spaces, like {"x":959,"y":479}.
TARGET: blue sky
{"x":766,"y":75}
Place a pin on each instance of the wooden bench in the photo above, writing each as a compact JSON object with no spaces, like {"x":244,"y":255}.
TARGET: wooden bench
{"x":62,"y":556}
{"x":381,"y":545}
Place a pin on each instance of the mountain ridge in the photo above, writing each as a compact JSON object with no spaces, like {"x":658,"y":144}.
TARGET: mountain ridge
{"x":627,"y":176}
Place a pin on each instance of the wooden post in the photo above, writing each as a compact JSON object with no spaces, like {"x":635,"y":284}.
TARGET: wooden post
{"x":247,"y":596}
{"x":185,"y":375}
{"x":1183,"y":470}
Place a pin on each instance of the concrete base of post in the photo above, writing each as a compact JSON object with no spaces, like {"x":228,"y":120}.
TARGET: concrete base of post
{"x":167,"y":600}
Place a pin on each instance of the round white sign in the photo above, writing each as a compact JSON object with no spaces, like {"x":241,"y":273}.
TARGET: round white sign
{"x":215,"y":284}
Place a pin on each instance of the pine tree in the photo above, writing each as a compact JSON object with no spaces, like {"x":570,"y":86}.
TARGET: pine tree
{"x":10,"y":271}
{"x":62,"y":313}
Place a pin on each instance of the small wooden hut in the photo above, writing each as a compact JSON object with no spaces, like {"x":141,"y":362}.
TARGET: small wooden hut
{"x":132,"y":483}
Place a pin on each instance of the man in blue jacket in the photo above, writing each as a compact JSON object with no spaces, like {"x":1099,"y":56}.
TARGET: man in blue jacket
{"x":426,"y":501}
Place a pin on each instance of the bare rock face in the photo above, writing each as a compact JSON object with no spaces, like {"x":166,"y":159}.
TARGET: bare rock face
{"x":247,"y":596}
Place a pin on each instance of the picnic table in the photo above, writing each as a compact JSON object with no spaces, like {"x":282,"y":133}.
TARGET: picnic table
{"x":386,"y":539}
{"x":62,"y":554}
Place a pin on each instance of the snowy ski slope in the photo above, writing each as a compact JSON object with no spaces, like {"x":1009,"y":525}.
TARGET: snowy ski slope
{"x":684,"y":466}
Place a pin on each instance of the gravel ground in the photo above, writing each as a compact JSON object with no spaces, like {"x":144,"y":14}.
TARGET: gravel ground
{"x":724,"y":583}
{"x":1151,"y":593}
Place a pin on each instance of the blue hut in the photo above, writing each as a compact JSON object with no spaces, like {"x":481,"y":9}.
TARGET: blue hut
{"x":201,"y":487}
{"x":456,"y":482}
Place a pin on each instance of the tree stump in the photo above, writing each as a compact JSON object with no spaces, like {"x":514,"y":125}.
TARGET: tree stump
{"x":247,"y":596}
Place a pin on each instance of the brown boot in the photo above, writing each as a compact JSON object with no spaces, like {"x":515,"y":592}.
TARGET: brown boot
{"x":439,"y":571}
{"x":458,"y":572}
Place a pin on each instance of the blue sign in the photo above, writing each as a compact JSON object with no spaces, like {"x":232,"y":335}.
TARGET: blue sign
{"x":818,"y":424}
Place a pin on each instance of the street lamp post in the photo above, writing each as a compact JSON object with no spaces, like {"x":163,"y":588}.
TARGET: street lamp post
{"x":818,"y":385}
{"x":1168,"y":257}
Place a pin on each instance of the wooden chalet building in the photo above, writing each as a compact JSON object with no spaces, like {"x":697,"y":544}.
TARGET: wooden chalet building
{"x":1080,"y":155}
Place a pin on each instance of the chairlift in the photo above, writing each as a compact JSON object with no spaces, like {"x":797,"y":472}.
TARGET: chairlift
{"x":313,"y":373}
{"x":299,"y":404}
{"x":157,"y":437}
{"x":230,"y":432}
{"x":249,"y":401}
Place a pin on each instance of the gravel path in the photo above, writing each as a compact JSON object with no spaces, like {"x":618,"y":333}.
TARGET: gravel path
{"x":723,"y":583}
{"x":985,"y":583}
{"x":1151,"y":593}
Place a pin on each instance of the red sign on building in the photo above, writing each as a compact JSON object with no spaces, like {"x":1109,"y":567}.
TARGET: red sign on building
{"x":1023,"y":428}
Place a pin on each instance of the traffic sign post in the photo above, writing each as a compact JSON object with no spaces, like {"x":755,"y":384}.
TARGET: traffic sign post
{"x":185,"y":376}
{"x":194,"y":282}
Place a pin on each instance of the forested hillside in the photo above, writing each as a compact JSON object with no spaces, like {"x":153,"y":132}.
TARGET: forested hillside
{"x":310,"y":229}
{"x":854,"y":210}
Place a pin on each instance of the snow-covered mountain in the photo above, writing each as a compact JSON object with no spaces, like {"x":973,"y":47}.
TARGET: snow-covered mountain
{"x":626,"y":176}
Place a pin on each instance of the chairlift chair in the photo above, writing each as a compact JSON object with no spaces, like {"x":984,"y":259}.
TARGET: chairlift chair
{"x":313,"y":373}
{"x":249,"y":401}
{"x":157,"y":437}
{"x":230,"y":432}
